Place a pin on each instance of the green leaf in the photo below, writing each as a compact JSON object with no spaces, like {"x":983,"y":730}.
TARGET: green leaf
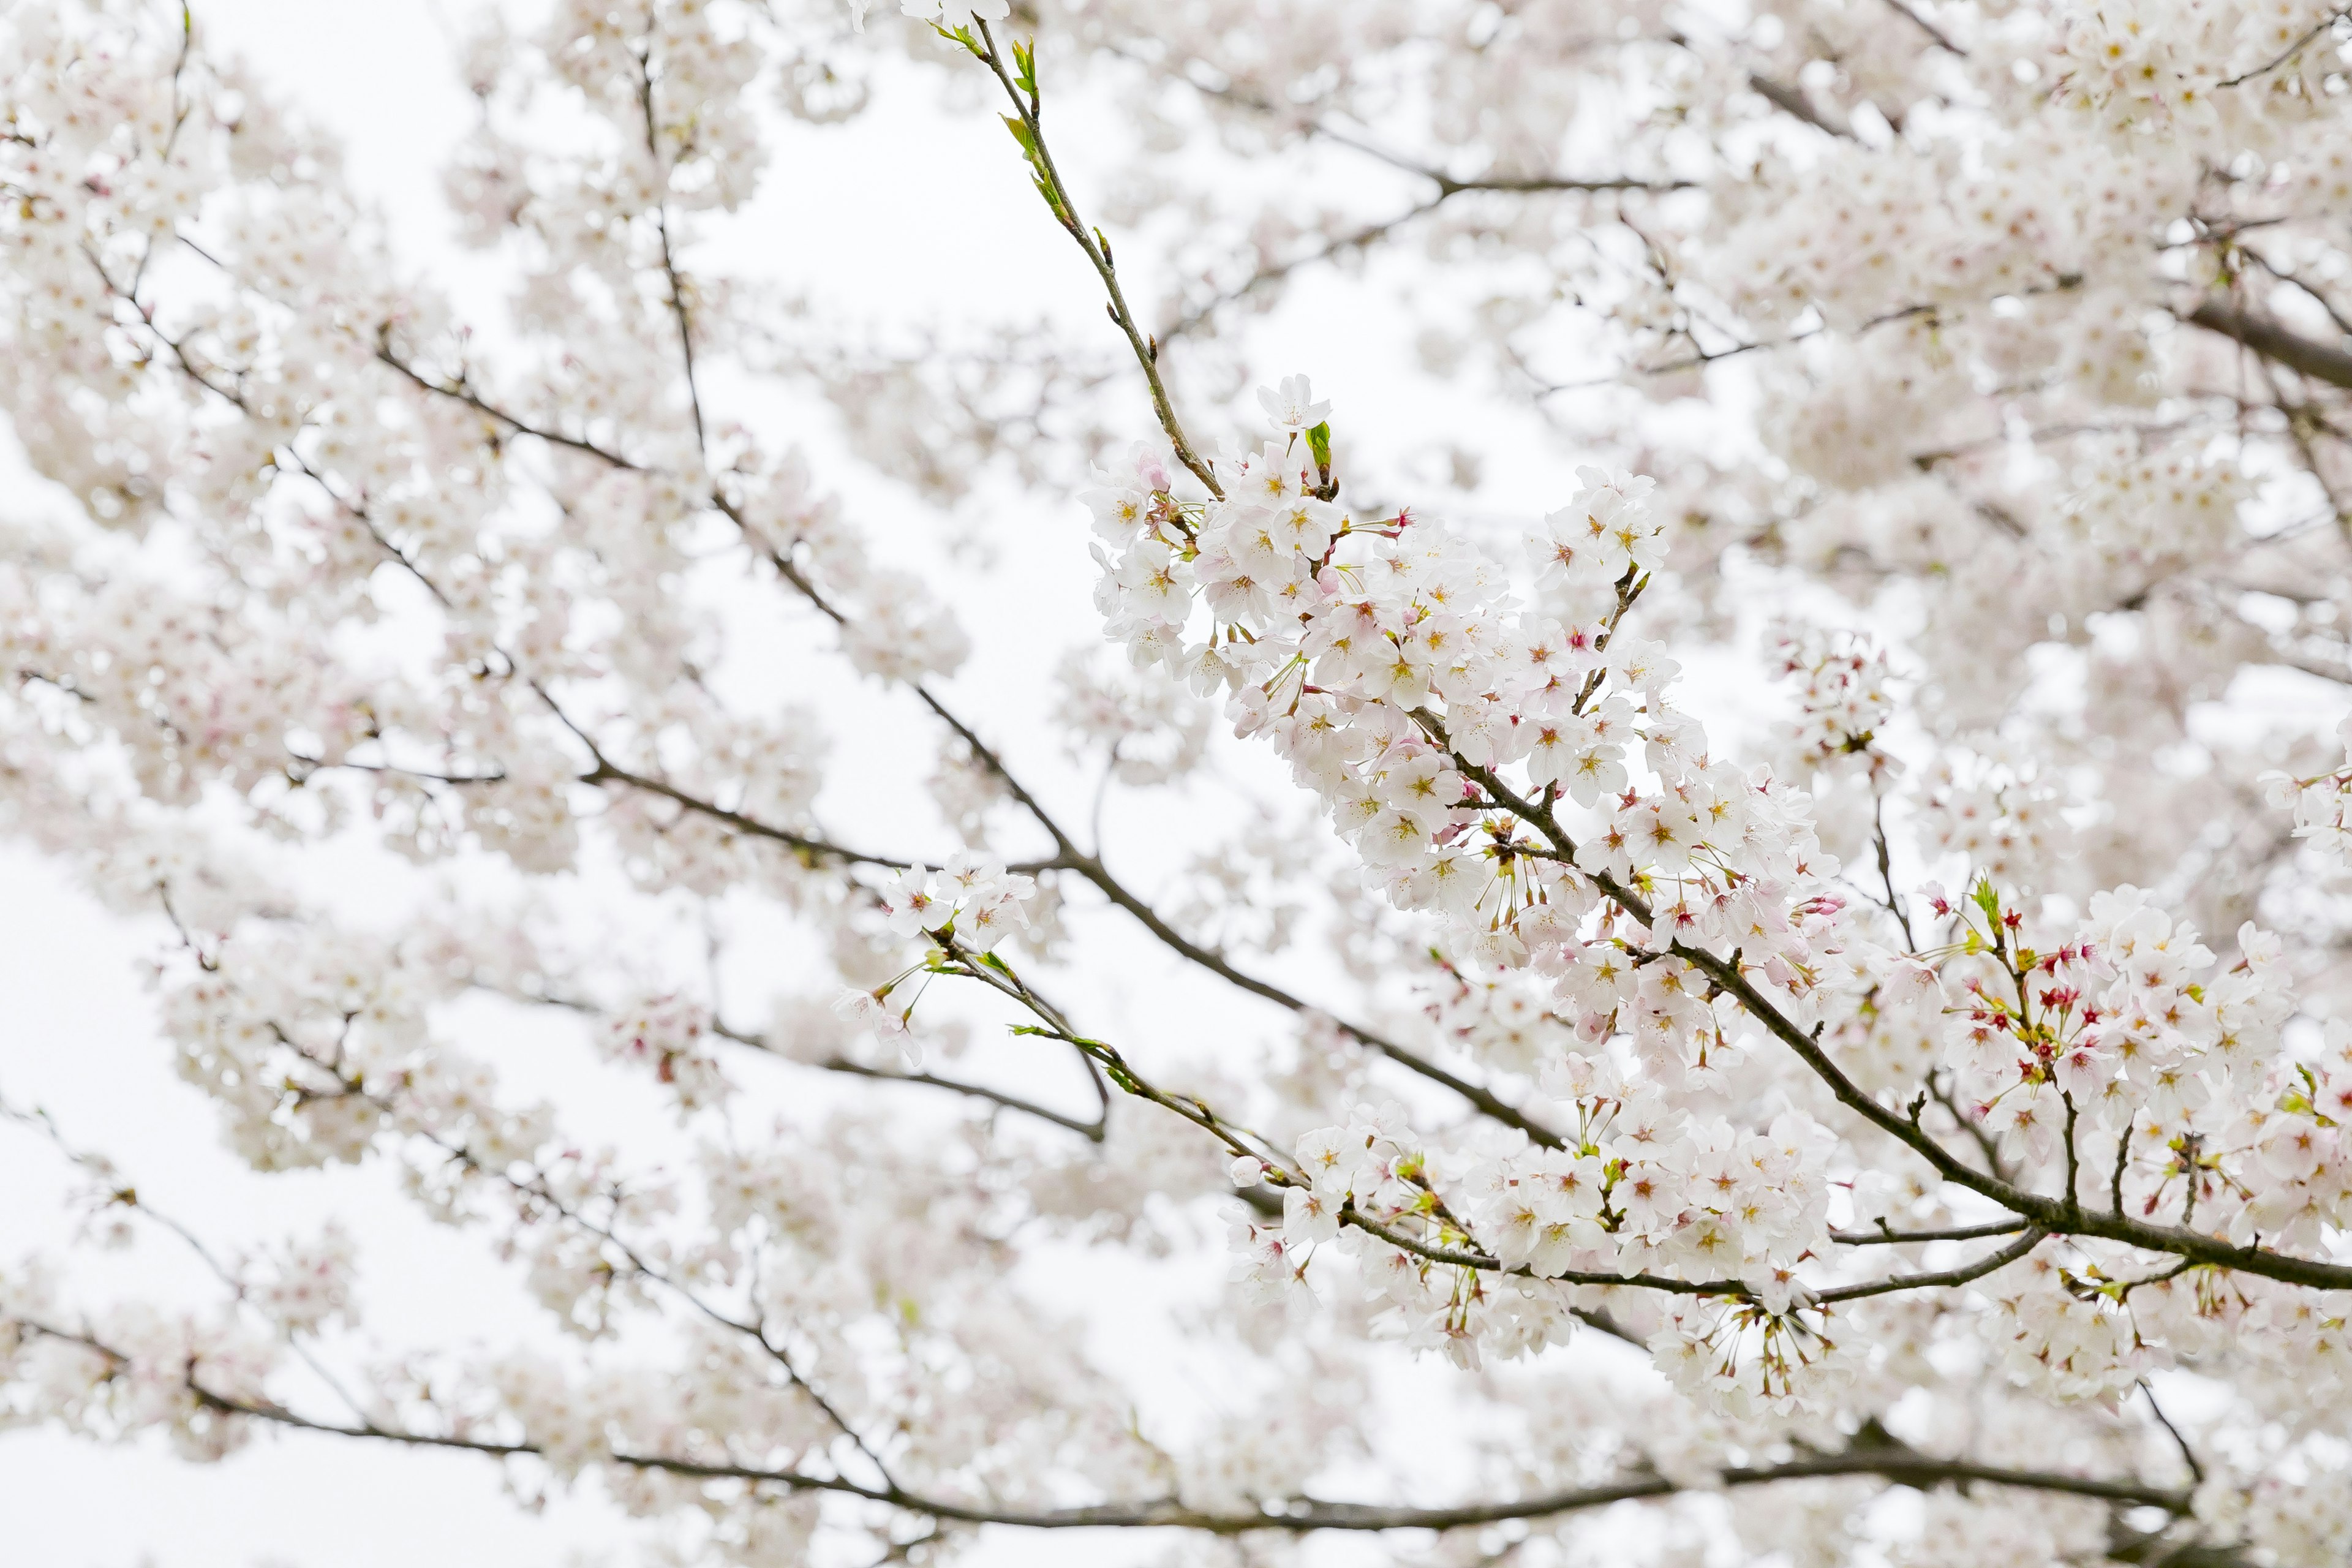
{"x":1025,"y":67}
{"x":1318,"y":441}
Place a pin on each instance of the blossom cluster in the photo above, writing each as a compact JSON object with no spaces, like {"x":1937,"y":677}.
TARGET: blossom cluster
{"x":2320,"y":803}
{"x":971,"y":893}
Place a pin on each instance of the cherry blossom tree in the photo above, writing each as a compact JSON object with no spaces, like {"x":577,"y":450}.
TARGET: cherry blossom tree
{"x":1901,"y":1121}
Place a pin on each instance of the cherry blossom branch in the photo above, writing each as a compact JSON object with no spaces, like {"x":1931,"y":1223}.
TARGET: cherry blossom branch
{"x":604,"y":769}
{"x":607,"y":771}
{"x":1067,"y":855}
{"x":661,"y":233}
{"x":1092,"y":1130}
{"x":127,"y":1195}
{"x":1735,"y":1289}
{"x":462,"y":391}
{"x":2291,"y":51}
{"x":1910,"y":13}
{"x":1001,"y":977}
{"x":1099,"y":252}
{"x":1356,"y":239}
{"x":1985,"y":1145}
{"x":2162,"y":1549}
{"x":2266,"y":337}
{"x":1886,"y":1237}
{"x":957,"y":958}
{"x":2301,"y":420}
{"x":537,"y":1189}
{"x":1904,"y":1466}
{"x":1448,"y":187}
{"x":1894,"y":903}
{"x":1447,"y":184}
{"x":1097,"y":249}
{"x":1795,"y":101}
{"x":2301,"y":284}
{"x":2187,"y":1454}
{"x":1510,"y":185}
{"x":1068,"y":852}
{"x":2055,"y":1217}
{"x":1484,"y":1100}
{"x":1700,"y":359}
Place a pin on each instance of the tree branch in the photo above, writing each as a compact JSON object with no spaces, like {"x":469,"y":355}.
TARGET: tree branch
{"x":1884,"y":1237}
{"x":2055,"y":1216}
{"x":2268,"y":338}
{"x":1092,"y":1130}
{"x":607,"y":771}
{"x":1793,"y":99}
{"x":661,"y":232}
{"x":1298,"y":1517}
{"x":2291,"y":51}
{"x":1067,"y":855}
{"x":1098,"y":252}
{"x":1911,"y":15}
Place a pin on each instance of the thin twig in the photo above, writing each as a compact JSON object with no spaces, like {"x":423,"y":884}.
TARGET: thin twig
{"x":2292,"y":49}
{"x":1028,"y":107}
{"x":1943,"y":40}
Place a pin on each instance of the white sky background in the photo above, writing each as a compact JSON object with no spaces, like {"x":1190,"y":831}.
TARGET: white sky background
{"x":905,"y":213}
